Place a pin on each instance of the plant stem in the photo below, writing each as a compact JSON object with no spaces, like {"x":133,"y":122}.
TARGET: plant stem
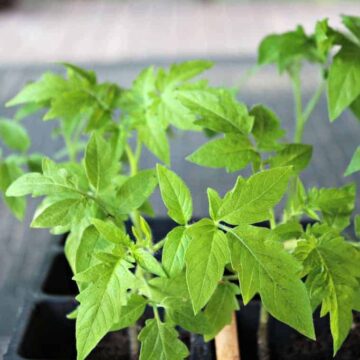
{"x":134,"y":343}
{"x":262,"y":335}
{"x":296,"y":85}
{"x":313,"y":101}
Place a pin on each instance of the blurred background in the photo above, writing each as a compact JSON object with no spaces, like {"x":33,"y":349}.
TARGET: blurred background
{"x":112,"y":30}
{"x":118,"y":38}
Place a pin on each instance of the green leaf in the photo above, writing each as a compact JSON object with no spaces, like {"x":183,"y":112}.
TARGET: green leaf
{"x":88,"y":75}
{"x":175,"y":194}
{"x":180,"y":72}
{"x":159,"y":341}
{"x":69,"y":104}
{"x":205,"y":259}
{"x":251,"y":201}
{"x":48,"y":87}
{"x":214,"y":200}
{"x":148,"y":262}
{"x":162,"y":288}
{"x":153,"y":135}
{"x":90,"y":243}
{"x":353,"y":24}
{"x":265,"y":268}
{"x":14,"y":135}
{"x":224,"y":298}
{"x":181,"y":313}
{"x":354,"y":165}
{"x":131,"y":312}
{"x":357,"y":225}
{"x":344,"y":80}
{"x":335,"y":204}
{"x":38,"y":185}
{"x":233,"y":152}
{"x":332,"y":269}
{"x":56,"y":214}
{"x":267,"y":128}
{"x":136,"y":190}
{"x":287,"y":49}
{"x":100,"y":304}
{"x":296,"y":155}
{"x":99,"y":163}
{"x":9,"y":172}
{"x":173,"y":255}
{"x":111,"y":232}
{"x":219,"y":111}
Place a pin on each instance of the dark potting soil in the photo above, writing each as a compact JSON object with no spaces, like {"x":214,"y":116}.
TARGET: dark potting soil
{"x":114,"y":346}
{"x":297,"y":347}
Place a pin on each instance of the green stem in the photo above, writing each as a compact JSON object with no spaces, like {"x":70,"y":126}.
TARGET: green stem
{"x":230,"y":277}
{"x":158,"y":245}
{"x":156,"y":313}
{"x":313,"y":101}
{"x":262,"y":335}
{"x":296,"y":85}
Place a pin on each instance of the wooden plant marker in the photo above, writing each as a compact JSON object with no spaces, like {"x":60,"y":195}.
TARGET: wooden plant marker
{"x":226,"y":342}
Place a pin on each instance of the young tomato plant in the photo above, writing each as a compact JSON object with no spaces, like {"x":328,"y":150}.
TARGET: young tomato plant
{"x":205,"y":265}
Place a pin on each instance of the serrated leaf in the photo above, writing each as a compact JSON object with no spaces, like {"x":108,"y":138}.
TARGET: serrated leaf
{"x":250,"y":202}
{"x":90,"y":243}
{"x":131,"y":312}
{"x":354,"y":165}
{"x":180,"y":72}
{"x":175,"y":194}
{"x":14,"y":135}
{"x":181,"y":313}
{"x":343,"y":81}
{"x":100,"y":305}
{"x":332,"y":269}
{"x":205,"y":259}
{"x":224,"y":298}
{"x":153,"y":135}
{"x":173,"y":255}
{"x":161,"y":288}
{"x":148,"y":262}
{"x":296,"y":155}
{"x":55,"y":214}
{"x":357,"y":225}
{"x":219,"y":111}
{"x":159,"y":341}
{"x":38,"y":185}
{"x":9,"y":172}
{"x":99,"y":163}
{"x":111,"y":232}
{"x":353,"y":24}
{"x":233,"y":152}
{"x":49,"y":86}
{"x":69,"y":104}
{"x":335,"y":204}
{"x":214,"y":200}
{"x":287,"y":49}
{"x":136,"y":190}
{"x":267,"y":128}
{"x":265,"y":268}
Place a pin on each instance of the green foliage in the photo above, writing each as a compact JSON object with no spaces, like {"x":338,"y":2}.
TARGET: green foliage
{"x":206,"y":257}
{"x":250,"y":201}
{"x":160,"y":341}
{"x":332,"y":268}
{"x":233,"y":152}
{"x":176,"y":195}
{"x":97,"y":186}
{"x":265,"y":268}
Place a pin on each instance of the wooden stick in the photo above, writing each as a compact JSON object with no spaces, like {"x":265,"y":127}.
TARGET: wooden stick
{"x":226,"y":342}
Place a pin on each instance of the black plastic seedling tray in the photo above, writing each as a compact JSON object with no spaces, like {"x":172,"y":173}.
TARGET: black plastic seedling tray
{"x":44,"y":332}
